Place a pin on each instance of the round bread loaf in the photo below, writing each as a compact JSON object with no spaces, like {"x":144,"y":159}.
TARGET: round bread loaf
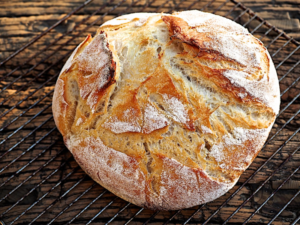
{"x":167,"y":111}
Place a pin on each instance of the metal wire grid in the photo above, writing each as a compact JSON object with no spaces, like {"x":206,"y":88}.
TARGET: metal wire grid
{"x":41,"y":183}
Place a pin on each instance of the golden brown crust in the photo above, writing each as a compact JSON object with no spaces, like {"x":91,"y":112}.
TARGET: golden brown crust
{"x":176,"y":180}
{"x":180,"y":29}
{"x":158,"y":111}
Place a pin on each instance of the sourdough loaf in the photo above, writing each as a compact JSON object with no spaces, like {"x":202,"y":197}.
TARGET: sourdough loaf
{"x":167,"y":111}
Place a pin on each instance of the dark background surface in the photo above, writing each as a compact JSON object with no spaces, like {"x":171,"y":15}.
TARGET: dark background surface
{"x":283,"y":14}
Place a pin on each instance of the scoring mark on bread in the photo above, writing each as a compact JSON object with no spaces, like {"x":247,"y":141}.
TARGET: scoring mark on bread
{"x":96,"y":70}
{"x":148,"y":157}
{"x":88,"y":81}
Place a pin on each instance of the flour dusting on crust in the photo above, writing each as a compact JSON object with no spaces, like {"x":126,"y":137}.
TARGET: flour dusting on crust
{"x":127,"y":124}
{"x":94,"y":63}
{"x":142,"y":18}
{"x":176,"y":109}
{"x":153,"y":119}
{"x":207,"y":22}
{"x":70,"y":60}
{"x":206,"y":130}
{"x":189,"y":186}
{"x":79,"y":121}
{"x":229,"y":38}
{"x":105,"y":163}
{"x":257,"y":89}
{"x":239,"y":138}
{"x":94,"y":59}
{"x":60,"y":104}
{"x":239,"y":47}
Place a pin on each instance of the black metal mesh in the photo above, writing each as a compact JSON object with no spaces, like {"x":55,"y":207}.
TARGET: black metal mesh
{"x":40,"y":183}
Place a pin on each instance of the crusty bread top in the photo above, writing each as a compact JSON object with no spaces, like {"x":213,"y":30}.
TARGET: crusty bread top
{"x":183,"y":103}
{"x":232,"y":41}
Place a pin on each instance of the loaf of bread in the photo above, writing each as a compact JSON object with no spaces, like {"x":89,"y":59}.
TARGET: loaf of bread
{"x":167,"y":111}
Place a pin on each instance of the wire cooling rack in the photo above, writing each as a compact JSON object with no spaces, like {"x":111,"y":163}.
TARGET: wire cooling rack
{"x":40,"y":183}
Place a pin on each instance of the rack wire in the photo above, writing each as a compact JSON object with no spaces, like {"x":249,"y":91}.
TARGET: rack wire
{"x":40,"y":183}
